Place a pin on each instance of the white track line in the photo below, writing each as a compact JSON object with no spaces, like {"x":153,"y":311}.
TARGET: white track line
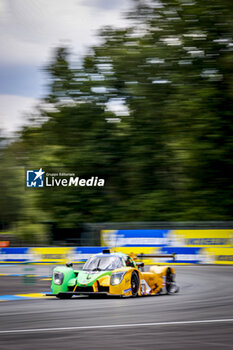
{"x":36,"y":330}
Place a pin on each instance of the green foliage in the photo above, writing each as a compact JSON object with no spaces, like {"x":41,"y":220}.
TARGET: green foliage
{"x":167,"y":155}
{"x":28,"y":232}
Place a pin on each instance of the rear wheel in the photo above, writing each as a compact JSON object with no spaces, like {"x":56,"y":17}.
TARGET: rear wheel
{"x":169,"y":281}
{"x":134,"y":284}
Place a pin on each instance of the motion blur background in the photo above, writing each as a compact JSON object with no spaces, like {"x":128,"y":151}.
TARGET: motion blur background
{"x":146,"y":103}
{"x":148,"y":106}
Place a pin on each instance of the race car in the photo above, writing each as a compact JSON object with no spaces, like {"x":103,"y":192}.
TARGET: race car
{"x":114,"y":274}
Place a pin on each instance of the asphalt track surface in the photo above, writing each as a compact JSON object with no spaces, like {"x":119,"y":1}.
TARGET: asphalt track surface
{"x":199,"y":317}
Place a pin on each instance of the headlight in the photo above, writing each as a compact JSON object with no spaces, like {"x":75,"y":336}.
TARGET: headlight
{"x":116,"y":278}
{"x":58,"y":277}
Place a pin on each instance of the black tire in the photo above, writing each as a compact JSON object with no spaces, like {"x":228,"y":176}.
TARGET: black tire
{"x":169,"y":281}
{"x":134,"y":284}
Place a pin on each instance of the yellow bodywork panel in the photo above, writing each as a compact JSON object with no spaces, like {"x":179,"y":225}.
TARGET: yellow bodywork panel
{"x":104,"y":281}
{"x":95,"y":287}
{"x":124,"y":287}
{"x":150,"y":282}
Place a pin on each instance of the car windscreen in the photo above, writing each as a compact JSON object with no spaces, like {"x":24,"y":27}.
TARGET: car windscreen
{"x":100,"y":263}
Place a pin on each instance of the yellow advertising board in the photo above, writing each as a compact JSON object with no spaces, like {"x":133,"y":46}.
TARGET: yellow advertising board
{"x":202,"y":238}
{"x":58,"y":255}
{"x":219,"y":256}
{"x":108,"y":238}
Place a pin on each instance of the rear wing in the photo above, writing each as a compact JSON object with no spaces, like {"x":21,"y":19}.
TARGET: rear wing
{"x":145,"y":256}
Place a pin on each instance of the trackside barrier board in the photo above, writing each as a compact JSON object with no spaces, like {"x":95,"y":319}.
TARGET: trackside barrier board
{"x":190,"y":247}
{"x":167,"y":238}
{"x":47,"y":255}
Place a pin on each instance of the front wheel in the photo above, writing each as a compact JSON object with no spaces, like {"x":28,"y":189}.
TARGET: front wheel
{"x":134,"y":284}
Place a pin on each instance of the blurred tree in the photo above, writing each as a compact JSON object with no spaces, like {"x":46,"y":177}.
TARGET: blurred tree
{"x":61,"y":77}
{"x":11,"y":194}
{"x":172,"y":67}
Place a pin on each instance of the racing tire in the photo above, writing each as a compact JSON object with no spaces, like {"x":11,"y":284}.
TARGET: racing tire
{"x":169,"y":282}
{"x":134,"y":284}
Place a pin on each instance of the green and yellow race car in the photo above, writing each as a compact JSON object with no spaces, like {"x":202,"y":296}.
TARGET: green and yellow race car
{"x":114,"y":274}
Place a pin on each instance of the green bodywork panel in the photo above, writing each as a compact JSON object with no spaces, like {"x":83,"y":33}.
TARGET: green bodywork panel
{"x":87,"y":278}
{"x":68,"y":275}
{"x":79,"y":278}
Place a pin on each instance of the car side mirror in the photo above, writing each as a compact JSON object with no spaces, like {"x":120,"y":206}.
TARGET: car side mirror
{"x":69,"y":264}
{"x":140,"y":265}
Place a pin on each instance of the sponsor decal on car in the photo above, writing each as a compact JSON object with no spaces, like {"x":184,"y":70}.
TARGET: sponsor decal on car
{"x":127,"y":290}
{"x":164,"y":281}
{"x":145,"y":289}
